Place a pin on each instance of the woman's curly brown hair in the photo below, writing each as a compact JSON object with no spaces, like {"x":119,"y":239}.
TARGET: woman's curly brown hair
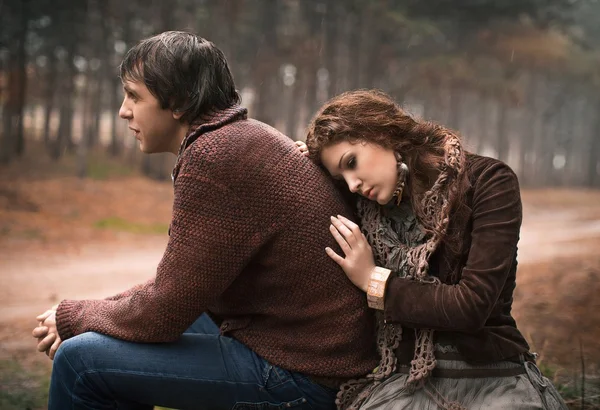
{"x":373,"y":116}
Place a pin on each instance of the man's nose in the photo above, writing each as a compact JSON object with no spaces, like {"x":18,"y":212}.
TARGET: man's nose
{"x":125,"y":111}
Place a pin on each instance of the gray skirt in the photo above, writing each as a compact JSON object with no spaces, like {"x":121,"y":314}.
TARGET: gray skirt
{"x":500,"y":385}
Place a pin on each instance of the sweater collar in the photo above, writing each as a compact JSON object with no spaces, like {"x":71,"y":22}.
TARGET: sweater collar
{"x":209,"y":121}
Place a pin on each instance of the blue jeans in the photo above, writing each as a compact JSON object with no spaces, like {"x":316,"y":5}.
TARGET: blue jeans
{"x":202,"y":370}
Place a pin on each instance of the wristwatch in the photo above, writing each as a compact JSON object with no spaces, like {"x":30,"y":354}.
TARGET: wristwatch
{"x":376,"y":289}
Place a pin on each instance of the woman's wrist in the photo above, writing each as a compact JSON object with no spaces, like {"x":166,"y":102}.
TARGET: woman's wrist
{"x":376,"y":287}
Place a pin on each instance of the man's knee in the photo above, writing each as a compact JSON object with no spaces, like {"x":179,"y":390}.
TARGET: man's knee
{"x":78,"y":351}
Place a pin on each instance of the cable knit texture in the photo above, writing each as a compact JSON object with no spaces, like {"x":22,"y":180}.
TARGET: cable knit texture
{"x":247,"y":239}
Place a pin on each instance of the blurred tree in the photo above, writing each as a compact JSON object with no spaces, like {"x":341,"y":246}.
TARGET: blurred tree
{"x":502,"y":72}
{"x":13,"y":36}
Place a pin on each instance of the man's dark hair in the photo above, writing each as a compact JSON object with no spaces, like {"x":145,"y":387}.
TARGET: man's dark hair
{"x":185,"y":72}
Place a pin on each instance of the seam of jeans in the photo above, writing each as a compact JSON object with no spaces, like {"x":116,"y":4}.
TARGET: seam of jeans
{"x":266,"y":374}
{"x":220,"y":340}
{"x":274,"y":373}
{"x":77,"y":380}
{"x":168,"y":375}
{"x":275,"y":386}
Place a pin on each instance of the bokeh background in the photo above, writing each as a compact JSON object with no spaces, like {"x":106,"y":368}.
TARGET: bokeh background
{"x":83,"y":214}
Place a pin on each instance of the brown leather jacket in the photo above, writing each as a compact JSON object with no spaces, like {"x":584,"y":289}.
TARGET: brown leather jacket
{"x":472,"y":313}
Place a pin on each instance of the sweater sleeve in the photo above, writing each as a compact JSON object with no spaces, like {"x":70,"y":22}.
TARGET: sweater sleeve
{"x":213,"y":235}
{"x":128,"y":292}
{"x":467,"y":305}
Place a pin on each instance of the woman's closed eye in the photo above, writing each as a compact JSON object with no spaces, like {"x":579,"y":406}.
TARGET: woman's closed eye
{"x":351,"y":163}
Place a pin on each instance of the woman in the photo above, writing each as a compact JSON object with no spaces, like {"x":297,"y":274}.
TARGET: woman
{"x":437,"y":260}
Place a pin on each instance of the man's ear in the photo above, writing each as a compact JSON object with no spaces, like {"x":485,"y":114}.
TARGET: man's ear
{"x":177,"y":114}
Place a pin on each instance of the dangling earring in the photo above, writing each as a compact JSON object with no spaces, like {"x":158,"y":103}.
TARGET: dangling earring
{"x":402,"y":174}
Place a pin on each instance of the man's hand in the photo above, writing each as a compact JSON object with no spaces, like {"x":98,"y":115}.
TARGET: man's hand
{"x":47,"y":333}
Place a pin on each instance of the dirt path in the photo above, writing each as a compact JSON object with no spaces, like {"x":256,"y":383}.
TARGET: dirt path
{"x":33,"y":284}
{"x":555,"y":234}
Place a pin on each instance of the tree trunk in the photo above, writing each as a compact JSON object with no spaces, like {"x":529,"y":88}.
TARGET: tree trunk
{"x":12,"y":136}
{"x":49,"y":96}
{"x":94,"y":110}
{"x":82,"y":147}
{"x":530,"y":128}
{"x":593,"y":179}
{"x":265,"y":67}
{"x":292,"y":107}
{"x":64,"y":137}
{"x":70,"y":96}
{"x":355,"y":49}
{"x":454,"y":108}
{"x":501,"y":135}
{"x":115,"y":144}
{"x":331,"y":43}
{"x":22,"y":77}
{"x":311,"y":61}
{"x":6,"y":149}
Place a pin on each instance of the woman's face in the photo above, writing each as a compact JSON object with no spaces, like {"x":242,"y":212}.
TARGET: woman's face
{"x":368,"y":169}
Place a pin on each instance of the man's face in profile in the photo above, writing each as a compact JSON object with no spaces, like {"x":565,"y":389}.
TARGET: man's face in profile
{"x":153,"y":126}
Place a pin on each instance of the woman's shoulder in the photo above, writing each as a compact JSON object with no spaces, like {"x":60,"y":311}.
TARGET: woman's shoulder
{"x":480,"y":165}
{"x":489,"y":177}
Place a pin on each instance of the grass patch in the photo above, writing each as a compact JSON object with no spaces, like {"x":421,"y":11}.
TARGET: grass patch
{"x":101,"y":168}
{"x":119,"y":224}
{"x":32,"y":233}
{"x":570,"y":387}
{"x":22,"y":389}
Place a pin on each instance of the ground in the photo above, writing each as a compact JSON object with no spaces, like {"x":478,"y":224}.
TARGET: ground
{"x":61,"y":237}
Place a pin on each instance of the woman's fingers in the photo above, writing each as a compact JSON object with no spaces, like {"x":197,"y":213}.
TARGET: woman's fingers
{"x":351,"y":225}
{"x":302,"y":146}
{"x":359,"y":237}
{"x":345,"y":231}
{"x":340,"y":240}
{"x":337,"y":258}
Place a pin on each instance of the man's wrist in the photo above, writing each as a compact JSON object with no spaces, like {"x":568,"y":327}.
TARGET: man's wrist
{"x":376,"y":287}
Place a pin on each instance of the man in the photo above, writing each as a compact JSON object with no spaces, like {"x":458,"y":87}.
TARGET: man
{"x":247,"y":239}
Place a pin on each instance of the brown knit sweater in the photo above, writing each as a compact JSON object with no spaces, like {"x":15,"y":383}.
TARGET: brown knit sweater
{"x":247,"y":244}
